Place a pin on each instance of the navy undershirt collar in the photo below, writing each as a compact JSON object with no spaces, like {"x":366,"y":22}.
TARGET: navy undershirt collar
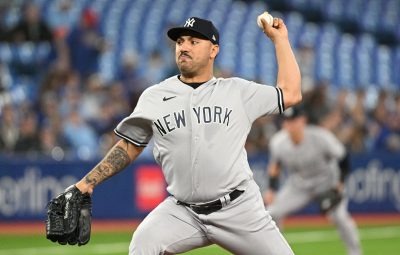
{"x":194,"y":85}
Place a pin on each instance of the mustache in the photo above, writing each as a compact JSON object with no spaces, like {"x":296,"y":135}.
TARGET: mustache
{"x":184,"y":54}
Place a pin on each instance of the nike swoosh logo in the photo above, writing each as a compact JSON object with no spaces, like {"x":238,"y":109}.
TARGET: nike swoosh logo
{"x":168,"y":98}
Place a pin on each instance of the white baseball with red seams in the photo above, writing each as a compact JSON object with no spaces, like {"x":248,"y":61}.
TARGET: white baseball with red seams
{"x":267,"y":17}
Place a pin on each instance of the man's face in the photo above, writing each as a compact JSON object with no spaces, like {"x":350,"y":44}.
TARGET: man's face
{"x":294,"y":125}
{"x":193,"y":54}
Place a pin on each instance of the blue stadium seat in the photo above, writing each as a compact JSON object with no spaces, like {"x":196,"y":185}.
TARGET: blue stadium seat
{"x":294,"y":22}
{"x":6,"y":54}
{"x":309,"y":34}
{"x":219,"y":12}
{"x":24,"y":53}
{"x":363,"y":66}
{"x":345,"y":62}
{"x":132,"y":26}
{"x":152,"y":36}
{"x":390,"y":16}
{"x":139,"y":26}
{"x":371,"y":15}
{"x":383,"y":65}
{"x":334,"y":9}
{"x":198,"y":8}
{"x":177,"y":12}
{"x":395,"y":67}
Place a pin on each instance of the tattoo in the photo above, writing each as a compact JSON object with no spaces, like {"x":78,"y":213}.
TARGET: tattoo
{"x":118,"y":158}
{"x":115,"y":161}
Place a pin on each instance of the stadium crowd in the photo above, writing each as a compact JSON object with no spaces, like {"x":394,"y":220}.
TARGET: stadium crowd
{"x":71,"y":110}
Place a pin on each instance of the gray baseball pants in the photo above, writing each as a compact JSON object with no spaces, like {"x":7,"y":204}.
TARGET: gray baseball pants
{"x":241,"y":227}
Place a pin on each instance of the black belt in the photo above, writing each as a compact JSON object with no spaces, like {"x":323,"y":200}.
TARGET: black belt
{"x":213,"y":206}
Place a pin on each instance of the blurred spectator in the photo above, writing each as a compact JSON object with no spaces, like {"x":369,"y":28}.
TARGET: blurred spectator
{"x":379,"y":113}
{"x":260,"y":133}
{"x":9,"y":129}
{"x":168,"y":53}
{"x":70,"y":94}
{"x":71,"y":83}
{"x":332,"y":121}
{"x":392,"y":142}
{"x":316,"y":103}
{"x":29,"y":61}
{"x":4,"y":8}
{"x":28,"y":140}
{"x":47,"y":141}
{"x":52,"y":143}
{"x":106,"y":141}
{"x":359,"y":130}
{"x":5,"y":77}
{"x":51,"y":120}
{"x":119,"y":100}
{"x":306,"y":59}
{"x":131,"y":77}
{"x":48,"y":108}
{"x":130,"y":74}
{"x":32,"y":28}
{"x":388,"y":115}
{"x":112,"y":106}
{"x":55,"y":79}
{"x":86,"y":43}
{"x":62,"y":17}
{"x":81,"y":136}
{"x":155,"y":68}
{"x":92,"y":98}
{"x":106,"y":121}
{"x":357,"y":112}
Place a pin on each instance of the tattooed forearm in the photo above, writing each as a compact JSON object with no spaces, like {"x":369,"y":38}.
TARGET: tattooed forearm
{"x":119,"y":158}
{"x":115,"y":161}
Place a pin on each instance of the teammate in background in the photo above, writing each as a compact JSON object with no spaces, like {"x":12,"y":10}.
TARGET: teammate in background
{"x":316,"y":164}
{"x":199,"y":124}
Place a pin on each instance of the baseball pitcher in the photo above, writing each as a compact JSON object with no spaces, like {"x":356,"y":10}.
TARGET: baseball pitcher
{"x":199,"y":124}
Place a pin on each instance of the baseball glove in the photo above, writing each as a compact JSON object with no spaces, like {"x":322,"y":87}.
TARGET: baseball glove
{"x":69,"y":217}
{"x":328,"y":200}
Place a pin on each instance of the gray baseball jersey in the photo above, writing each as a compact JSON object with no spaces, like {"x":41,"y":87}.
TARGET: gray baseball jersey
{"x":313,"y":162}
{"x":199,"y":134}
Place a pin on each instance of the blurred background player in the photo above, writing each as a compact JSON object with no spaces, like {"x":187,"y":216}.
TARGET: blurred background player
{"x":316,"y":165}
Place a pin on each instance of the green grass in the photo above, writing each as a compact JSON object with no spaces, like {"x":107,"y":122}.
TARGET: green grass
{"x":383,"y":240}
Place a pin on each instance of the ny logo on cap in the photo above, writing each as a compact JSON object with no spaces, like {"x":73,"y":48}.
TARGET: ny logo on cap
{"x":189,"y":22}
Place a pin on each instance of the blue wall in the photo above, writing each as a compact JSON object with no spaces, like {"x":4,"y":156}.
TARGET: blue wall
{"x":26,"y":186}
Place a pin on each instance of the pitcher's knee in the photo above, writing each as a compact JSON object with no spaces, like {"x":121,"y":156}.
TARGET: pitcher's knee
{"x":338,"y":216}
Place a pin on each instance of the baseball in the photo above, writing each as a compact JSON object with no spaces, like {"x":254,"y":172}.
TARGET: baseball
{"x":267,"y":17}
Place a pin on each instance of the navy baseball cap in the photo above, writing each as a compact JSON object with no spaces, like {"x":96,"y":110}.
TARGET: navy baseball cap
{"x":201,"y":27}
{"x":294,"y":112}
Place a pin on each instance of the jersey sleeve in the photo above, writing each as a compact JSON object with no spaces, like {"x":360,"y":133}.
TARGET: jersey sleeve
{"x":260,"y":99}
{"x":332,"y":147}
{"x":136,"y":128}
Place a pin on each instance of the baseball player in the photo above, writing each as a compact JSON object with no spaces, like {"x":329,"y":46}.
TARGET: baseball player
{"x":199,"y":124}
{"x":316,"y":165}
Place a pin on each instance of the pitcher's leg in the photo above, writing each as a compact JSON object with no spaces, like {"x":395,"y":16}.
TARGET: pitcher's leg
{"x":346,"y":227}
{"x":266,"y":241}
{"x":168,"y":229}
{"x":245,"y":227}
